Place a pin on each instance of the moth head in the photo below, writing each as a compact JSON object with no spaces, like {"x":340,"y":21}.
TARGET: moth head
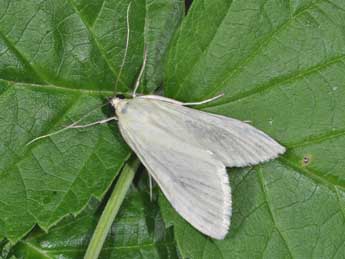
{"x":118,"y":102}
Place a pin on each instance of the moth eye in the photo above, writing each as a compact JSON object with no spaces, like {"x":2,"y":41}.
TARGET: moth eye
{"x":120,"y":96}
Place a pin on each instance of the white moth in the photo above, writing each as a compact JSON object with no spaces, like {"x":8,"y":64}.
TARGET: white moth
{"x":187,"y":151}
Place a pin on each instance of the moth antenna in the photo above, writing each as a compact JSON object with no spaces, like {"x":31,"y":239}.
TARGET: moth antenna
{"x":47,"y":135}
{"x":71,"y":126}
{"x":126,"y":49}
{"x":204,"y":101}
{"x":137,"y":82}
{"x":114,"y":118}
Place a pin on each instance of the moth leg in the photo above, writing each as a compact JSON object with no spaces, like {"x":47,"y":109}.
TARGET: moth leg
{"x":150,"y":184}
{"x":93,"y":123}
{"x":137,"y":82}
{"x":204,"y":101}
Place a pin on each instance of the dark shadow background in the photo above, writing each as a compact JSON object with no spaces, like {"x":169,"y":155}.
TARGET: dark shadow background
{"x":188,"y":3}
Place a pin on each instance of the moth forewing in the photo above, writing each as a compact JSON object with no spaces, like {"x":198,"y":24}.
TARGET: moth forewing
{"x":195,"y":183}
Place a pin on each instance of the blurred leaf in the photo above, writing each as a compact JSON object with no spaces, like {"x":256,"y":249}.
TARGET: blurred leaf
{"x":5,"y":250}
{"x":58,"y":60}
{"x":281,"y":66}
{"x":162,"y":19}
{"x":138,"y":232}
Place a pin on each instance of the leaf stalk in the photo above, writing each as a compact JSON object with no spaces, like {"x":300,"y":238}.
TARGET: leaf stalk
{"x":111,"y":209}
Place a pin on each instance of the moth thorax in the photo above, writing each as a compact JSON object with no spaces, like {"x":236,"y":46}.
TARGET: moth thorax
{"x":118,"y":104}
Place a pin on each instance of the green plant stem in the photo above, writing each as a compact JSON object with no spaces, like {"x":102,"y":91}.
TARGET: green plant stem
{"x":111,"y":209}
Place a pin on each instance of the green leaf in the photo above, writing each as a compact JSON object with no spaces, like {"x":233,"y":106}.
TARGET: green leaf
{"x":162,"y":19}
{"x":58,"y":60}
{"x":138,"y":232}
{"x":5,"y":250}
{"x":281,"y":66}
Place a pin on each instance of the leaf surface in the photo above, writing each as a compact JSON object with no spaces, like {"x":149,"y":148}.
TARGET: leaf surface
{"x":281,"y":66}
{"x":58,"y":61}
{"x":138,"y":232}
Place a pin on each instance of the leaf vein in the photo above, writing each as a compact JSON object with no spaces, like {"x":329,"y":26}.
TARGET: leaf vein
{"x":310,"y":140}
{"x":98,"y":44}
{"x":251,"y":56}
{"x":277,"y":82}
{"x":261,"y":181}
{"x":22,"y":58}
{"x":310,"y":174}
{"x":52,"y":125}
{"x":57,"y":87}
{"x":99,"y":12}
{"x":342,"y":209}
{"x":77,"y":176}
{"x":192,"y":66}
